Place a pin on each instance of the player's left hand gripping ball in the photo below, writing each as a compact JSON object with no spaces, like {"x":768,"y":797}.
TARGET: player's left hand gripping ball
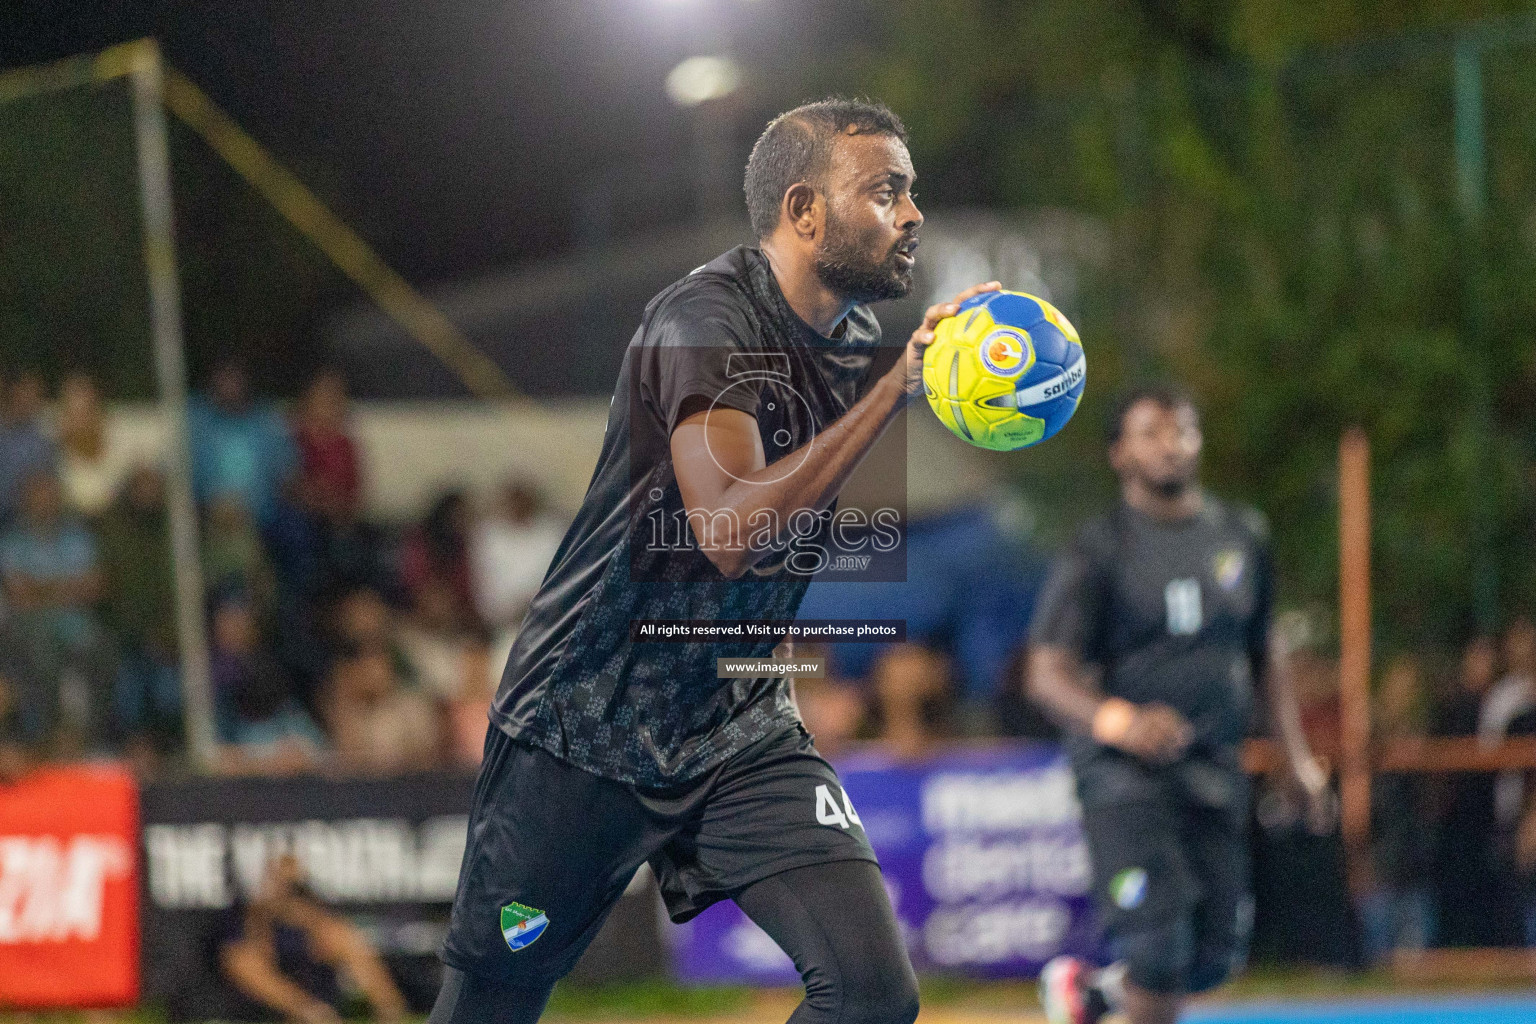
{"x":1006,"y":371}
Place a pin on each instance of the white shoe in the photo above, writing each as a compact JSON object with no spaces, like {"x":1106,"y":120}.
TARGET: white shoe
{"x":1064,"y":992}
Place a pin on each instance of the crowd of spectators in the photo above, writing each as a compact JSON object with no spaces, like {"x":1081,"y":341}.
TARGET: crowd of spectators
{"x":344,"y":646}
{"x":337,"y":644}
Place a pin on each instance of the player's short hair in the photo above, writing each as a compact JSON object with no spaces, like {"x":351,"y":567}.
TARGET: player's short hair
{"x":1162,"y":393}
{"x":797,"y":147}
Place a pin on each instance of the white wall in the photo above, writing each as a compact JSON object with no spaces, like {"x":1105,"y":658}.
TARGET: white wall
{"x":412,"y":450}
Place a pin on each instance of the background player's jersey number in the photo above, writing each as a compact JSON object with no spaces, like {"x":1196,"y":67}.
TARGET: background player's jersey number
{"x":1182,"y":598}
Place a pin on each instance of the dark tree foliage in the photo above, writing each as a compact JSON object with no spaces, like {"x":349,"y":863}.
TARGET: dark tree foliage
{"x":1280,"y":184}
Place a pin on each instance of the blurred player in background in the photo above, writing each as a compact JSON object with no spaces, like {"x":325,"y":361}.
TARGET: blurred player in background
{"x":605,"y":753}
{"x":1149,"y":638}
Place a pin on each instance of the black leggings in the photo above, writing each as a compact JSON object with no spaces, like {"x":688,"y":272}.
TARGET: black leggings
{"x":834,"y":920}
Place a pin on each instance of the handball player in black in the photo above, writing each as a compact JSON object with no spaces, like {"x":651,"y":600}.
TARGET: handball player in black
{"x":1149,"y":639}
{"x":746,"y":400}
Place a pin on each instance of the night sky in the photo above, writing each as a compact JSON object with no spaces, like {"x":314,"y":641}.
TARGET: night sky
{"x":460,"y":136}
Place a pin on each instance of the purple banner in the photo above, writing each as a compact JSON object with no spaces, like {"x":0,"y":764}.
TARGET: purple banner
{"x":983,"y":855}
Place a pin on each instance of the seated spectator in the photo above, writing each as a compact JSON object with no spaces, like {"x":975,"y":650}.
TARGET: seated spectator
{"x":439,"y":549}
{"x":51,"y":573}
{"x":326,"y":548}
{"x":287,"y":952}
{"x":380,"y":728}
{"x":510,"y":552}
{"x":1317,"y":695}
{"x":328,"y":457}
{"x":233,"y":555}
{"x":1522,"y":841}
{"x":19,"y":750}
{"x":1397,"y":911}
{"x":262,"y":729}
{"x":237,"y":447}
{"x":1469,"y":879}
{"x":25,"y":448}
{"x":1515,"y":692}
{"x":911,"y":688}
{"x":468,"y":711}
{"x":321,"y":550}
{"x":1512,"y":696}
{"x":139,"y":610}
{"x":93,"y":461}
{"x":1460,"y":710}
{"x":363,"y":619}
{"x":434,"y":641}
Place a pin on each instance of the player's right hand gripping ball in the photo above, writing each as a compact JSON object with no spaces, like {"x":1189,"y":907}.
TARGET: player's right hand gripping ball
{"x":1006,"y":371}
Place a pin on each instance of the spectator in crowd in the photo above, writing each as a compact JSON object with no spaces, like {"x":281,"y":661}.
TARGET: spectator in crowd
{"x":51,"y":573}
{"x":238,"y":447}
{"x":510,"y":552}
{"x":324,"y":548}
{"x":262,"y":729}
{"x":1522,"y":840}
{"x":1515,"y":692}
{"x":234,"y":558}
{"x":831,"y":708}
{"x":380,"y":728}
{"x":18,"y":747}
{"x":1460,"y":711}
{"x":93,"y":462}
{"x":468,"y":711}
{"x":328,"y":457}
{"x":1509,"y":712}
{"x":1397,"y":911}
{"x":25,"y":448}
{"x":286,"y":952}
{"x":1512,"y":696}
{"x":139,"y":611}
{"x":364,"y":619}
{"x":910,"y":689}
{"x":439,"y":549}
{"x":435,"y":641}
{"x":1469,"y":881}
{"x":321,"y":550}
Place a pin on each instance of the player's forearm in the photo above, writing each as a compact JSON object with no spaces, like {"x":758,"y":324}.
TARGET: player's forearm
{"x":1058,"y":684}
{"x":822,"y":466}
{"x":257,"y":977}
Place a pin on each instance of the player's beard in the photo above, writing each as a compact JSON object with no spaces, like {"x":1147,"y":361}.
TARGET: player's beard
{"x":844,"y":264}
{"x":1170,"y":485}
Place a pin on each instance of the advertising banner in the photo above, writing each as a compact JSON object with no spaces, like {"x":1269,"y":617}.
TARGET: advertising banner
{"x":384,"y":853}
{"x":69,"y":927}
{"x":982,"y":852}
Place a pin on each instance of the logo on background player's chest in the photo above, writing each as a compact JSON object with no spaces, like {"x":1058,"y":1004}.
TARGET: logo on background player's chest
{"x":1227,"y":568}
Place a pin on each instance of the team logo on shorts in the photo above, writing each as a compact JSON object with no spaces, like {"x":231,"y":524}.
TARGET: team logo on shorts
{"x":1002,"y":352}
{"x":1129,"y":888}
{"x":1228,"y":568}
{"x":521,"y":925}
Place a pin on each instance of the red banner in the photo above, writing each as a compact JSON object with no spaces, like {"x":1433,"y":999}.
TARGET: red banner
{"x":69,"y":918}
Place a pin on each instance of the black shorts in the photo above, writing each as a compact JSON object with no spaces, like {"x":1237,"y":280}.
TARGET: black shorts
{"x":1177,"y":850}
{"x":552,"y":847}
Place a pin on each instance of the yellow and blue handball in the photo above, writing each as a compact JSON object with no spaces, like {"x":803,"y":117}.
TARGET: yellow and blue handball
{"x":1006,"y":371}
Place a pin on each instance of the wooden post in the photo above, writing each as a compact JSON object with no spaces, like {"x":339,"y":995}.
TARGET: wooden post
{"x":1355,"y":649}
